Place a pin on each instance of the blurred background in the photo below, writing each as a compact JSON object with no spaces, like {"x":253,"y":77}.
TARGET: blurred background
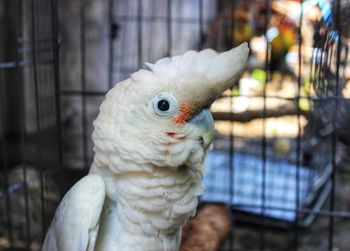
{"x":281,"y":155}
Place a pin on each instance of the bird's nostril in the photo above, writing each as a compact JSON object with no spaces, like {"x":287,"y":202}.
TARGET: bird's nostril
{"x":201,"y":141}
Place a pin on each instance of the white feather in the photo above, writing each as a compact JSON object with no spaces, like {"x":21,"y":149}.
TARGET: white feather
{"x":205,"y":65}
{"x":185,"y":67}
{"x":77,"y":215}
{"x":229,"y":65}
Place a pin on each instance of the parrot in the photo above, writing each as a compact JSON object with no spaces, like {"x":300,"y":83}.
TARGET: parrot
{"x":150,"y":139}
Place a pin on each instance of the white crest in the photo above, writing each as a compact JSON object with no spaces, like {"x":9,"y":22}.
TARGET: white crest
{"x":206,"y":65}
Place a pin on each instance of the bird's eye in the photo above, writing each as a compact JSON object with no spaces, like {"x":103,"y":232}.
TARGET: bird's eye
{"x":165,"y":104}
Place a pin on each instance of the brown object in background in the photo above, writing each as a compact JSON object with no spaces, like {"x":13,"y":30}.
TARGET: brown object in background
{"x":249,"y":115}
{"x":207,"y":230}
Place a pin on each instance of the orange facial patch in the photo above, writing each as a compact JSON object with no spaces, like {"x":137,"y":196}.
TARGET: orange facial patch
{"x":184,"y":114}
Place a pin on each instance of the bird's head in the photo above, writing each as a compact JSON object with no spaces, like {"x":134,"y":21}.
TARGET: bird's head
{"x":160,"y":117}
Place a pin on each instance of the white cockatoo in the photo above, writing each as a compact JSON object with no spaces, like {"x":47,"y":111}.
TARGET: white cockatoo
{"x":151,"y":138}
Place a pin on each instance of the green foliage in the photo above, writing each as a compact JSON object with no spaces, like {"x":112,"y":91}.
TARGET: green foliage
{"x":259,"y":75}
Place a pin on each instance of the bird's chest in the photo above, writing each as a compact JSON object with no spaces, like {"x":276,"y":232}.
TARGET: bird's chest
{"x":119,"y":232}
{"x":146,"y":213}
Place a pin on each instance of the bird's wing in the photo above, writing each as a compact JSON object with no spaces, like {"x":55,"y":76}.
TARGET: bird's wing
{"x":76,"y":222}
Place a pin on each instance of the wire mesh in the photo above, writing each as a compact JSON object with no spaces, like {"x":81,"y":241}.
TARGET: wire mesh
{"x":29,"y":137}
{"x":281,"y":151}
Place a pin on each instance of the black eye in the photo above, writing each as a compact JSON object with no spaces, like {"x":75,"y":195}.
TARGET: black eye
{"x":163,"y":105}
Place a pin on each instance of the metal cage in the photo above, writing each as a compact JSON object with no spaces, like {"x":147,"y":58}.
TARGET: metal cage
{"x":280,"y":159}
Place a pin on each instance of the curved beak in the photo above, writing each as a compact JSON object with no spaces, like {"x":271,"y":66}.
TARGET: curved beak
{"x":205,"y":123}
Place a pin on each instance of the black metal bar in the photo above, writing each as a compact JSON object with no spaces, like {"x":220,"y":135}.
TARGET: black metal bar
{"x":321,"y":72}
{"x":37,"y":110}
{"x":169,"y":27}
{"x":334,"y":134}
{"x":314,"y":99}
{"x":293,"y":99}
{"x":5,"y":164}
{"x":83,"y":82}
{"x":330,"y":61}
{"x":139,"y":33}
{"x":54,"y":26}
{"x":298,"y":146}
{"x":112,"y":35}
{"x":200,"y":22}
{"x":327,"y":59}
{"x":23,"y":122}
{"x":123,"y":43}
{"x":44,"y":89}
{"x":300,"y":211}
{"x":267,"y":14}
{"x":231,"y":125}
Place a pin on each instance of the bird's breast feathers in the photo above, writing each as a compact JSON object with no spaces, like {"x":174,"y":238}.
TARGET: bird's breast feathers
{"x":148,"y":210}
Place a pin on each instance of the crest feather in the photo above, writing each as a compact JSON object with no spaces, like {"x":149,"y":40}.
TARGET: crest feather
{"x":206,"y":65}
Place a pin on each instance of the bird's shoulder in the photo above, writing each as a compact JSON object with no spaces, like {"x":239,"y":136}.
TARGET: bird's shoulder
{"x":77,"y":217}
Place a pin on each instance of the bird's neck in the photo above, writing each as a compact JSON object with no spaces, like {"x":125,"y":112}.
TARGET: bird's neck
{"x":152,"y":206}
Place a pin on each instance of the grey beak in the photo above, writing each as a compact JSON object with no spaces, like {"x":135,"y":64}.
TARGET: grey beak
{"x":204,"y":120}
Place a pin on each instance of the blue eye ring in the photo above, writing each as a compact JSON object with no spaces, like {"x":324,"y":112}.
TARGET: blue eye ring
{"x":165,"y":104}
